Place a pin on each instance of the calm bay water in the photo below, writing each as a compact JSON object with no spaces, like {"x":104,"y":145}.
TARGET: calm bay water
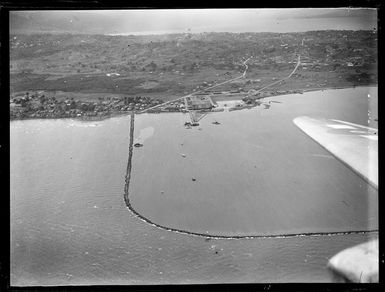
{"x":256,"y":174}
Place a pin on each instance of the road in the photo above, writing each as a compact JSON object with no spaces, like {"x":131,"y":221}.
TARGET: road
{"x":287,"y":77}
{"x":230,"y":80}
{"x":202,"y":90}
{"x":283,"y":79}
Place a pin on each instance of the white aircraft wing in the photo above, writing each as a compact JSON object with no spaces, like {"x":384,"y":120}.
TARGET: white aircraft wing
{"x":357,"y":264}
{"x":355,"y":145}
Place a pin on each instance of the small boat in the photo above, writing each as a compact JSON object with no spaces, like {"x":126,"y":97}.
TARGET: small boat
{"x":193,"y":179}
{"x":216,"y":123}
{"x":183,"y":155}
{"x":138,"y":145}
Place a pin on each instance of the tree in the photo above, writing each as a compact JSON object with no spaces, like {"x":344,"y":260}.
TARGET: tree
{"x":72,"y":104}
{"x":42,"y":98}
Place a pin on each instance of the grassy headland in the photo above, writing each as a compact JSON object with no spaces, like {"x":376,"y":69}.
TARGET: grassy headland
{"x":66,"y":75}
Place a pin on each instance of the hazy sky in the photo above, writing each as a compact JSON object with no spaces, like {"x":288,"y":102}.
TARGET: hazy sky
{"x":201,"y":20}
{"x":245,"y":20}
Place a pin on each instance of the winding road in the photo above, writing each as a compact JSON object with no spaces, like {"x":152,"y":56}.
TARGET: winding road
{"x":279,"y":81}
{"x":230,"y":80}
{"x":202,"y":90}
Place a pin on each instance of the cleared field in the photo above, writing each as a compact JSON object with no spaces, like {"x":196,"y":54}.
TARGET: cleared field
{"x":156,"y":65}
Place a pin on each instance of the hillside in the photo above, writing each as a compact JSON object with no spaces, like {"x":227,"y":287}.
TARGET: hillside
{"x":168,"y":66}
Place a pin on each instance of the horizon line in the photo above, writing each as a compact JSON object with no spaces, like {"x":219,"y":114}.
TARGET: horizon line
{"x":154,"y":33}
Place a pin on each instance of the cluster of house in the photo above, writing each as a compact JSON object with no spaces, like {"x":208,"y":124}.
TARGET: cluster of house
{"x":195,"y":102}
{"x":175,"y":106}
{"x":39,"y":106}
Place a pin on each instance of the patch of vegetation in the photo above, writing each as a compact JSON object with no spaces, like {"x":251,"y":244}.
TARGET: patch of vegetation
{"x":180,"y":63}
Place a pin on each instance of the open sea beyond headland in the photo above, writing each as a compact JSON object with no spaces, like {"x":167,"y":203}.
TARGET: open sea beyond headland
{"x":254,"y":174}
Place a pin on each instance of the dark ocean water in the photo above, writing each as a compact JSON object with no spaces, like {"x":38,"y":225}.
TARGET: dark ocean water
{"x":256,"y":174}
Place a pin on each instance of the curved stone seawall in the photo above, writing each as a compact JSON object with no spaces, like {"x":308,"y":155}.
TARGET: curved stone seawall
{"x":129,"y":163}
{"x":131,"y":208}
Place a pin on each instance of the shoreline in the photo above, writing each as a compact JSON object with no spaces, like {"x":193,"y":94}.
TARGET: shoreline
{"x":118,"y":114}
{"x":337,"y":87}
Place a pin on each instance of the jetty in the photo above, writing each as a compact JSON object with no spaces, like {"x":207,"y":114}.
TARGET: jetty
{"x":129,"y":163}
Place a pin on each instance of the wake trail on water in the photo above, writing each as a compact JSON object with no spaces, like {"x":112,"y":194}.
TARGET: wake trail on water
{"x":208,"y":235}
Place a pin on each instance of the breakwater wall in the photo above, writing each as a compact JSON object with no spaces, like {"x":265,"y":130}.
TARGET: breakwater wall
{"x":208,"y":235}
{"x":129,"y":162}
